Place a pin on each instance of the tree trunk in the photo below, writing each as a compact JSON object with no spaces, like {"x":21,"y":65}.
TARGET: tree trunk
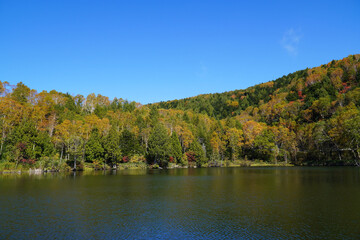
{"x":357,"y":162}
{"x":52,"y":126}
{"x":62,"y":152}
{"x":356,"y":158}
{"x":84,"y":153}
{"x":1,"y":147}
{"x":2,"y":142}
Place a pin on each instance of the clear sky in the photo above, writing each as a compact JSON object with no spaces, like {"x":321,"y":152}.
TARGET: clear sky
{"x":149,"y":51}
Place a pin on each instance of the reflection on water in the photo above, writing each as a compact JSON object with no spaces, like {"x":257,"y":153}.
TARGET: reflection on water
{"x":231,"y":203}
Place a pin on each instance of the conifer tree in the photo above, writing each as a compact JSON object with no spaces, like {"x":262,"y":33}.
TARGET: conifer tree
{"x":175,"y":147}
{"x":159,"y":145}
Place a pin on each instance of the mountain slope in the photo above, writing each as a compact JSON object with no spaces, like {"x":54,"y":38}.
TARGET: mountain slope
{"x":329,"y":80}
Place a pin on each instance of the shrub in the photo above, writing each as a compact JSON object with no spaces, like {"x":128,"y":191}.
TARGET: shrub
{"x":6,"y":165}
{"x":137,"y":158}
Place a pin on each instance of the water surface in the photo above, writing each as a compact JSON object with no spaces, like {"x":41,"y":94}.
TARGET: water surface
{"x":216,"y":203}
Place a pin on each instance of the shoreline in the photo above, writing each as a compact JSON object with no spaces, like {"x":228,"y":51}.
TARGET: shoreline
{"x":136,"y":166}
{"x":122,"y":168}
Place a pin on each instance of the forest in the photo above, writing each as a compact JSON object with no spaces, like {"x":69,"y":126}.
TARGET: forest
{"x":310,"y":117}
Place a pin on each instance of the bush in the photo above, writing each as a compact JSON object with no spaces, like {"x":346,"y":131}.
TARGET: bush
{"x":171,"y":165}
{"x":6,"y":165}
{"x":184,"y":160}
{"x":138,"y":165}
{"x":137,"y":159}
{"x":53,"y":163}
{"x":98,"y":164}
{"x":155,"y":166}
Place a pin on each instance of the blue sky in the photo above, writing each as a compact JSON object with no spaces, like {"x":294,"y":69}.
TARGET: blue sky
{"x":149,"y":51}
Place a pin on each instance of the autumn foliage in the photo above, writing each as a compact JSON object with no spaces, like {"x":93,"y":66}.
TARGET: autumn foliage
{"x":310,"y":117}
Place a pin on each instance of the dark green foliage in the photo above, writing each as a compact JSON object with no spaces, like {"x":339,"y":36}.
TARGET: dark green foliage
{"x":204,"y":138}
{"x":186,"y":118}
{"x":154,"y":115}
{"x":44,"y":146}
{"x":158,"y":151}
{"x":100,"y":111}
{"x":128,"y":106}
{"x":25,"y":134}
{"x":292,"y":96}
{"x":70,"y":103}
{"x":129,"y":144}
{"x":265,"y":146}
{"x":93,"y":148}
{"x":217,"y":105}
{"x":357,"y":76}
{"x":112,"y":147}
{"x":21,"y":93}
{"x":175,"y":147}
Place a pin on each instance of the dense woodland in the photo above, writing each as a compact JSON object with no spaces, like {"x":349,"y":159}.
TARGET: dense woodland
{"x":310,"y":117}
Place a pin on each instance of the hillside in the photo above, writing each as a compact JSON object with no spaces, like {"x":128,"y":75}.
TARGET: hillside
{"x":310,"y":117}
{"x":329,"y":80}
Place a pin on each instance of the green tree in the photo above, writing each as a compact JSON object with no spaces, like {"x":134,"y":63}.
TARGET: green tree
{"x":197,"y":150}
{"x":21,"y":93}
{"x":94,"y":149}
{"x":129,"y":143}
{"x":175,"y":147}
{"x":112,"y":147}
{"x":44,"y":146}
{"x":159,"y":145}
{"x":154,"y":115}
{"x":264,"y":145}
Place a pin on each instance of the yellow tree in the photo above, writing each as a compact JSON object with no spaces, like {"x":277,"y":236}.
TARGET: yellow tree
{"x":251,"y":129}
{"x":90,"y":103}
{"x":2,"y":88}
{"x":340,"y":133}
{"x":47,"y":102}
{"x":62,"y":136}
{"x":104,"y":126}
{"x":218,"y":145}
{"x":285,"y":141}
{"x":185,"y":135}
{"x":76,"y":140}
{"x":235,"y":140}
{"x":336,"y":78}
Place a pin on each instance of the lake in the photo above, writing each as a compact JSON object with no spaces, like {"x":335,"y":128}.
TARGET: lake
{"x":211,"y":203}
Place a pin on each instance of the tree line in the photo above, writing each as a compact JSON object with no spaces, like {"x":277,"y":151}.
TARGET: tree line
{"x":310,"y":117}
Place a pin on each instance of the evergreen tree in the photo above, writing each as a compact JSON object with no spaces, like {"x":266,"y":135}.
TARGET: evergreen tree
{"x":175,"y":147}
{"x":112,"y":147}
{"x":159,"y":145}
{"x":129,"y":144}
{"x":21,"y":93}
{"x":154,"y":115}
{"x":93,"y":148}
